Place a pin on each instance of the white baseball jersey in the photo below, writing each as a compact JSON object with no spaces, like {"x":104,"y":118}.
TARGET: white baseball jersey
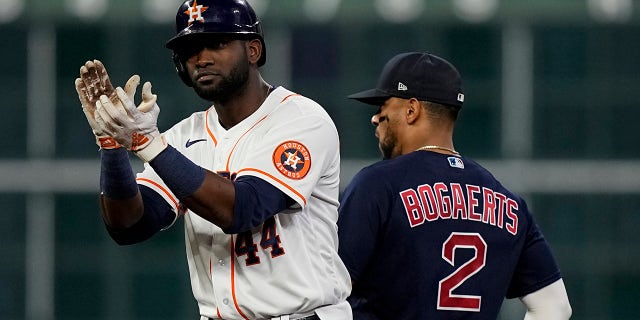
{"x":289,"y":265}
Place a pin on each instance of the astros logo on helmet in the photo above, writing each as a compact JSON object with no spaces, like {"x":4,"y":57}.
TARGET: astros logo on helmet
{"x":195,"y":12}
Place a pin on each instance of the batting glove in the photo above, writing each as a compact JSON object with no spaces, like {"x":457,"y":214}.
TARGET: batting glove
{"x":94,"y":82}
{"x":135,"y":128}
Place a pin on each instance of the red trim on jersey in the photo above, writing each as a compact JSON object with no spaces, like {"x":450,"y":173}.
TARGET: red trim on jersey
{"x":218,"y":312}
{"x":206,"y":124}
{"x":253,"y":126}
{"x":175,"y":202}
{"x":289,"y":96}
{"x":233,"y":279}
{"x":278,"y":181}
{"x":238,"y":141}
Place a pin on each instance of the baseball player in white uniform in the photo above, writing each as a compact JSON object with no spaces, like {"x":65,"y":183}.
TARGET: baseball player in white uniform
{"x":256,"y":176}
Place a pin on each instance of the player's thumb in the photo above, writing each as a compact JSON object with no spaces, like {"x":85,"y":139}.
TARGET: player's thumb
{"x":131,"y":86}
{"x":148,"y":98}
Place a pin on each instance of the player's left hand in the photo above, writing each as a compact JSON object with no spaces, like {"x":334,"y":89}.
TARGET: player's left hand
{"x":133,"y":127}
{"x":93,"y":83}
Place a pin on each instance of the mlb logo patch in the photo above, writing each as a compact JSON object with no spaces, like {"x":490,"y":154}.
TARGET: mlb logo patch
{"x":456,"y":162}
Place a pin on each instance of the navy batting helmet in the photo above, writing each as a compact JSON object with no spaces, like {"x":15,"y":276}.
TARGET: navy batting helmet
{"x":198,"y":18}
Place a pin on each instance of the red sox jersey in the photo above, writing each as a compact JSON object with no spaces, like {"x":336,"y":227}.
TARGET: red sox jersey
{"x":289,"y":264}
{"x":432,"y":236}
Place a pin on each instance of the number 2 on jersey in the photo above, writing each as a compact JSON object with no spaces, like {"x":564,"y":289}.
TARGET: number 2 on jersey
{"x":461,"y":241}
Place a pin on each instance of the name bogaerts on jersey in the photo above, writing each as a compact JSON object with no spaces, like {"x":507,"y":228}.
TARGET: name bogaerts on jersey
{"x":292,"y":159}
{"x":427,"y":203}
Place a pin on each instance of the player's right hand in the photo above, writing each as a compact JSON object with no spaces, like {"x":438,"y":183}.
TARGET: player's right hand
{"x":133,"y":127}
{"x":93,"y":83}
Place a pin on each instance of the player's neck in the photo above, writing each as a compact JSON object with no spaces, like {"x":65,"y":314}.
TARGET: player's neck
{"x":419,"y":136}
{"x":242,"y":106}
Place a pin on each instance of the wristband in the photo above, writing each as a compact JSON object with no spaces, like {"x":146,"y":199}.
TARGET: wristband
{"x":116,"y":175}
{"x":181,"y":175}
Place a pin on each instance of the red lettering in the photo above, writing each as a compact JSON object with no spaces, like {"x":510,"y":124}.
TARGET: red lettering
{"x":472,"y":201}
{"x":412,"y":206}
{"x":512,"y":205}
{"x":489,"y":208}
{"x":429,"y":202}
{"x":457,"y":199}
{"x":500,"y":204}
{"x":444,"y":201}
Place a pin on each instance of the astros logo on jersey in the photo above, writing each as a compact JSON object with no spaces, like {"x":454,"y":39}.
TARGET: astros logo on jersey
{"x":195,"y":12}
{"x":292,"y":159}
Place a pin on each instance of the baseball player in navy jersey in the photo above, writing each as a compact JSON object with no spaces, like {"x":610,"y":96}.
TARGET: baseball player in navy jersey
{"x":255,"y":176}
{"x":428,"y":233}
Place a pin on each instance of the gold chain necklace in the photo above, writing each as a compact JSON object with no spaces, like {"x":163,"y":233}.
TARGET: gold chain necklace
{"x":439,"y":148}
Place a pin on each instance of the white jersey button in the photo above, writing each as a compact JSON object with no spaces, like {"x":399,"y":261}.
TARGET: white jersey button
{"x":221,"y":262}
{"x":225,"y":301}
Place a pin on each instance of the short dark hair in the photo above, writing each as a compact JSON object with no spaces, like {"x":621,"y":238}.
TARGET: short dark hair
{"x":438,"y":110}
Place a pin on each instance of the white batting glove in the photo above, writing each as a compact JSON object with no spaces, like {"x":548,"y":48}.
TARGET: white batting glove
{"x":135,"y":128}
{"x":94,"y":82}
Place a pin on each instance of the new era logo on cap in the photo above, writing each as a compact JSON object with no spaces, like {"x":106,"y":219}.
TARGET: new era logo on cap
{"x":424,"y":76}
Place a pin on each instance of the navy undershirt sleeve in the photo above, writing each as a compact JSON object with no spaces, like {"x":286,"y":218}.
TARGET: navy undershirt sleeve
{"x":157,"y":215}
{"x":255,"y":201}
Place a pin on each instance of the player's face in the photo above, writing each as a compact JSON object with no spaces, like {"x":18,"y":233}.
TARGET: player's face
{"x":386,"y":121}
{"x":220,"y":70}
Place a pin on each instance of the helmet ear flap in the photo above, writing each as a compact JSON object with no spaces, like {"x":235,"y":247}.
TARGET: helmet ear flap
{"x":182,"y":70}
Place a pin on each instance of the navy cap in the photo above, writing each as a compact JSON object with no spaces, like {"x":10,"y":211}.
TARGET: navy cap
{"x":419,"y":75}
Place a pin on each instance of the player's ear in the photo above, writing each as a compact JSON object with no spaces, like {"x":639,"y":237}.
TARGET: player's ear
{"x":254,"y":50}
{"x":413,"y":109}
